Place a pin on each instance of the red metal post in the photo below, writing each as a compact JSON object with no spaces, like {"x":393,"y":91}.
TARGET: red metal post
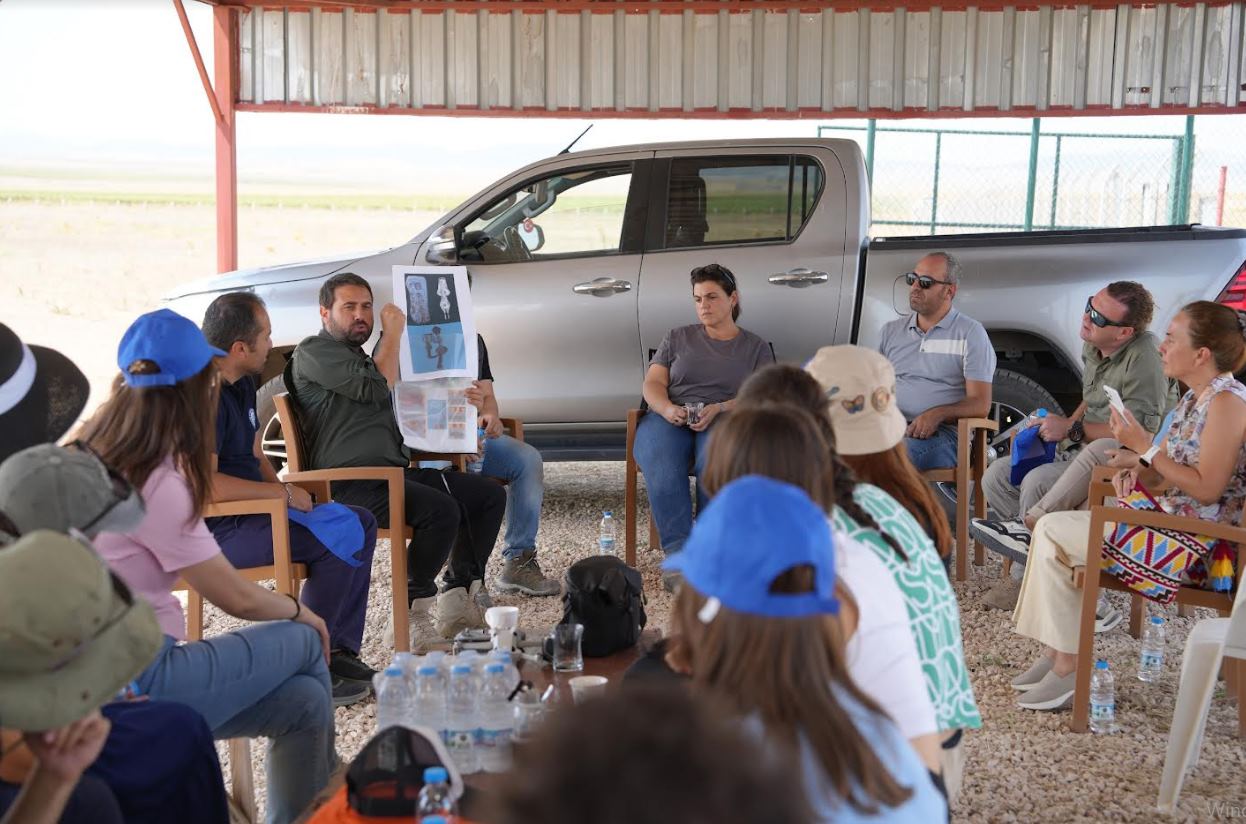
{"x":1224,"y":179}
{"x":225,"y":53}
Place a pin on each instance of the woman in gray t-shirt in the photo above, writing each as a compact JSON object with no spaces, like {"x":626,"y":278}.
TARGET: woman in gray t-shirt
{"x":702,"y":363}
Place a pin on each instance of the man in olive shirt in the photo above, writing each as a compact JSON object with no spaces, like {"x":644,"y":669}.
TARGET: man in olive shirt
{"x":343,"y":398}
{"x":1118,"y":352}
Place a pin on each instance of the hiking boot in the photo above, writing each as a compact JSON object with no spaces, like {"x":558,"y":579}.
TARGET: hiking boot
{"x":347,"y":692}
{"x":419,"y":621}
{"x":1030,"y":679}
{"x":1051,"y":693}
{"x":480,"y":596}
{"x":455,"y":612}
{"x":1003,"y":595}
{"x":523,"y":574}
{"x":346,"y":664}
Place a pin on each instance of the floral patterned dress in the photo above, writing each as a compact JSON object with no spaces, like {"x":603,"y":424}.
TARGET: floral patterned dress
{"x":1184,"y":444}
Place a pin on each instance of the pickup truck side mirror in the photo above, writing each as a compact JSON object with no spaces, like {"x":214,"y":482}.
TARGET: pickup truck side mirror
{"x":443,"y":246}
{"x":534,"y":237}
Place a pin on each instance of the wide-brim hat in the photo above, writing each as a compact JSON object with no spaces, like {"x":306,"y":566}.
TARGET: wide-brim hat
{"x":58,"y":488}
{"x":71,"y":633}
{"x":42,"y":393}
{"x":860,"y":387}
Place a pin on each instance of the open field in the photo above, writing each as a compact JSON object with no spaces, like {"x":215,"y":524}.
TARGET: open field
{"x":75,"y":273}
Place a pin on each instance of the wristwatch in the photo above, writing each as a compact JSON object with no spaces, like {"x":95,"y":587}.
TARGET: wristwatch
{"x":1146,"y":457}
{"x":1077,"y":431}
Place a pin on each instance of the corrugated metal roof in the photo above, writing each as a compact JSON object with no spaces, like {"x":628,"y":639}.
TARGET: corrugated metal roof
{"x":774,"y":60}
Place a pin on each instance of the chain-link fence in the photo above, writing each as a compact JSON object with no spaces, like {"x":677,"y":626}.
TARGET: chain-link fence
{"x":1058,"y":173}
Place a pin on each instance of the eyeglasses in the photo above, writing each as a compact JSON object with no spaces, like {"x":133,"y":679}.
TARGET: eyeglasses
{"x":1098,"y":318}
{"x":717,"y":272}
{"x":925,"y":281}
{"x":121,"y":488}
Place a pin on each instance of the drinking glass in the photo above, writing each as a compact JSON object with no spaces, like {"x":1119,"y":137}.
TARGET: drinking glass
{"x":567,"y":654}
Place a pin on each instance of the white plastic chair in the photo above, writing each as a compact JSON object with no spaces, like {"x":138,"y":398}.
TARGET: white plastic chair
{"x":1210,"y":642}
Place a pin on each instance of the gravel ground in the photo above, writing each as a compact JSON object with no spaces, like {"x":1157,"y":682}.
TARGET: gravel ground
{"x":1021,"y":766}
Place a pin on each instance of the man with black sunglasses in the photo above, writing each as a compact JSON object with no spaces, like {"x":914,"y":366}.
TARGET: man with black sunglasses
{"x":943,"y":359}
{"x":1119,"y":352}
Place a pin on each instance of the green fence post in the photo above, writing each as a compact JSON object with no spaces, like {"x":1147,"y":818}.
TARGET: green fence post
{"x":1055,"y":181}
{"x":1187,"y":171}
{"x":1174,"y":182}
{"x":934,"y":196}
{"x":1030,"y":183}
{"x":870,"y":129}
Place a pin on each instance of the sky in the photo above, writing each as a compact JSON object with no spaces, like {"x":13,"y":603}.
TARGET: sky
{"x":110,"y":84}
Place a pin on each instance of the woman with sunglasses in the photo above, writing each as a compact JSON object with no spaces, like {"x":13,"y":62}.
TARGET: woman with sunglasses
{"x":269,"y":679}
{"x":1198,"y":471}
{"x":700,"y":365}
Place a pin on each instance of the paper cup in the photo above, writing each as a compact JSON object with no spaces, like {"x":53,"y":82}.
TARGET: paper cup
{"x":584,"y":687}
{"x":502,"y":622}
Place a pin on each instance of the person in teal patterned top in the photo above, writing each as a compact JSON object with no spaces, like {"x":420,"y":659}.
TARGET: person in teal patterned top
{"x":872,"y":516}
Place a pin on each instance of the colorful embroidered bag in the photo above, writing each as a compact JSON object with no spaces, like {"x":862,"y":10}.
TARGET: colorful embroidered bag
{"x":1156,"y":562}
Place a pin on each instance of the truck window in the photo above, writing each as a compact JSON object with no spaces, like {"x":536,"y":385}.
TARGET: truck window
{"x":733,"y":200}
{"x":573,"y":213}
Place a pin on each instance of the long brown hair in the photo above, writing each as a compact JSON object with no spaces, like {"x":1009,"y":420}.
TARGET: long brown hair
{"x":138,"y":427}
{"x":893,"y":473}
{"x":788,"y":671}
{"x":1218,"y":328}
{"x":783,"y":383}
{"x":791,"y":674}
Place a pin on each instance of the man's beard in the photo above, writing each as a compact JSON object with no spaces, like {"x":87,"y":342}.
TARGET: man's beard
{"x":350,"y":335}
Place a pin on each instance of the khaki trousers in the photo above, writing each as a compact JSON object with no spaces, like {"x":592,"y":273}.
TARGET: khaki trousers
{"x":1056,"y":487}
{"x":1049,"y":606}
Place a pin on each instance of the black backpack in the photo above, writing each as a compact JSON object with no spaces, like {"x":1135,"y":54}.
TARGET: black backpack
{"x":604,"y":595}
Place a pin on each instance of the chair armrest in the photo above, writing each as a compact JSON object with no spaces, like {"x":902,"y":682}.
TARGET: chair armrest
{"x":390,"y":474}
{"x":965,"y":426}
{"x":276,"y":507}
{"x":1178,"y":523}
{"x":513,"y":427}
{"x":1101,"y":484}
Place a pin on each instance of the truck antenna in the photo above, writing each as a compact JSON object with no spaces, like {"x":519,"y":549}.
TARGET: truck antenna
{"x":577,"y":140}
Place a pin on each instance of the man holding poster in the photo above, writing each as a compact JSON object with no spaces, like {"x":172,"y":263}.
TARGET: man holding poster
{"x":344,"y":401}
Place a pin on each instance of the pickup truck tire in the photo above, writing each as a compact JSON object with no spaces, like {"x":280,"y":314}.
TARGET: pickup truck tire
{"x":271,"y":439}
{"x":1013,"y":396}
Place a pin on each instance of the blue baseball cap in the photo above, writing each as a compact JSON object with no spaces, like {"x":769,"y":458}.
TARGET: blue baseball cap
{"x":170,"y":341}
{"x":752,"y":531}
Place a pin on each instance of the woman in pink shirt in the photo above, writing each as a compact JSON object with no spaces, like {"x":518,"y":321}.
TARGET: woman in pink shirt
{"x":270,"y":679}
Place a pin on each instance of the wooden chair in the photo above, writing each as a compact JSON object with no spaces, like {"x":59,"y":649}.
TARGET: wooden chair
{"x":631,"y":471}
{"x":1091,"y":583}
{"x":286,"y":576}
{"x":971,"y":443}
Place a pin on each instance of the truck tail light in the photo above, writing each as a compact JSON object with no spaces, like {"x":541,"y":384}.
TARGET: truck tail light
{"x":1234,"y":293}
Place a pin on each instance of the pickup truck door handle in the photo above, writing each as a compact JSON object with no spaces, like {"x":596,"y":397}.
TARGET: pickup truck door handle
{"x":798,"y":278}
{"x":602,"y":287}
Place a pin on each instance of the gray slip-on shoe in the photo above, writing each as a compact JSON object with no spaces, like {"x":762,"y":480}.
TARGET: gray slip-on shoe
{"x":1029,"y":679}
{"x":1051,"y":693}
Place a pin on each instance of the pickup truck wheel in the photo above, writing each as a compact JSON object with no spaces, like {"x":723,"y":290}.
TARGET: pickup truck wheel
{"x":272,"y":442}
{"x":1013,"y":397}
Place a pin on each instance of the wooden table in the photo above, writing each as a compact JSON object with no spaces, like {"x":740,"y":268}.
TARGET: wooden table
{"x":541,"y":676}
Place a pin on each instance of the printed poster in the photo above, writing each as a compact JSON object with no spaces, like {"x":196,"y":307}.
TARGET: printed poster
{"x":437,"y":359}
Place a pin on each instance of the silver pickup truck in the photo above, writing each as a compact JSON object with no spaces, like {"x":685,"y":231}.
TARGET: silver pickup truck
{"x":580,"y":264}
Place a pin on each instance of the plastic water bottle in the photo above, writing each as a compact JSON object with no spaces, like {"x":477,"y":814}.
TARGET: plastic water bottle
{"x":507,"y":661}
{"x":1152,"y":662}
{"x":393,"y":699}
{"x":1102,"y":699}
{"x":496,"y":720}
{"x":429,"y":701}
{"x":461,"y":718}
{"x":478,"y":465}
{"x":435,"y":800}
{"x":605,"y":544}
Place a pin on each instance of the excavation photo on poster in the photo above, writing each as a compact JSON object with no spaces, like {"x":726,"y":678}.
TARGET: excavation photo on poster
{"x":441,"y":332}
{"x":437,"y":359}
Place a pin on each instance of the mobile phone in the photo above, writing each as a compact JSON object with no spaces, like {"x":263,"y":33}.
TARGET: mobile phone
{"x":1114,"y":398}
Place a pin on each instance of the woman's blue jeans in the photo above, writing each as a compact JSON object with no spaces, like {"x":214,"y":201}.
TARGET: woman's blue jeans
{"x":265,"y":680}
{"x":667,"y":454}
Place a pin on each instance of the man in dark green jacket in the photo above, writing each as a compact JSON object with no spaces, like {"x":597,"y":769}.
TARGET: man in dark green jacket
{"x":343,"y":397}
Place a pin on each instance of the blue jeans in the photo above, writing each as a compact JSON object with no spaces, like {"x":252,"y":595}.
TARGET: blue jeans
{"x":936,"y":452}
{"x":665,"y":453}
{"x":267,"y":679}
{"x":519,"y":464}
